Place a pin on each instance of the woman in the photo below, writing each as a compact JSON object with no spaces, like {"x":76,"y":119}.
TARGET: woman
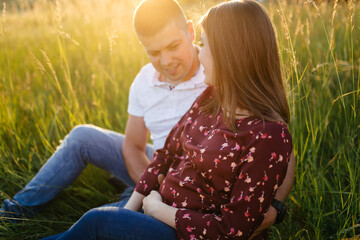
{"x":227,"y":156}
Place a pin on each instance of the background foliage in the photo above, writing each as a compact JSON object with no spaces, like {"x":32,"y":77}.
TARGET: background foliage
{"x":72,"y":62}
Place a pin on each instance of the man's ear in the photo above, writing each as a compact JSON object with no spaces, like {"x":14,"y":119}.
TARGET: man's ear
{"x":191,"y":29}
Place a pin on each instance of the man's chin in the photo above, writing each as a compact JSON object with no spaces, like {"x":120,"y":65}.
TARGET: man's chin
{"x":174,"y":78}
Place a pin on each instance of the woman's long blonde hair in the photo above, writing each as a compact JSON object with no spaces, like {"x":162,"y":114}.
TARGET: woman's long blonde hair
{"x":247,"y":71}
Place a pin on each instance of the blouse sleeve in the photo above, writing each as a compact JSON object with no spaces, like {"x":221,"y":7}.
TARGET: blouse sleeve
{"x":262,"y":168}
{"x":164,"y":157}
{"x":161,"y":162}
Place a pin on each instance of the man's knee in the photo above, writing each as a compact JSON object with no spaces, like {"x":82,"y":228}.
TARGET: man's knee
{"x":81,"y":130}
{"x":91,"y":215}
{"x":88,"y":221}
{"x":78,"y":136}
{"x":99,"y":214}
{"x":81,"y":133}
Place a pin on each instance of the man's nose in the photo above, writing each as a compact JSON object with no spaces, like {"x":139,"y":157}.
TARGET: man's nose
{"x":165,"y":59}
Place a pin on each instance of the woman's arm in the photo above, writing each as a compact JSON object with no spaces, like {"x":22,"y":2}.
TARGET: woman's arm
{"x":135,"y":201}
{"x":281,"y":195}
{"x":164,"y":157}
{"x":262,"y":168}
{"x":154,"y":207}
{"x":285,"y":187}
{"x":161,"y":162}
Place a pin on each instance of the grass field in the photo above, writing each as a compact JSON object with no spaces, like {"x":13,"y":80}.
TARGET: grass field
{"x":64,"y":63}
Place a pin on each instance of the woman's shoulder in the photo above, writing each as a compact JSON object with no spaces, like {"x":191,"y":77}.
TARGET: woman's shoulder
{"x":206,"y":94}
{"x":268,"y":139}
{"x":263,"y":129}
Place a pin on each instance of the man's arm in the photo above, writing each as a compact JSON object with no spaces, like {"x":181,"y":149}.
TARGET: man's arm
{"x":134,"y":147}
{"x":281,"y":195}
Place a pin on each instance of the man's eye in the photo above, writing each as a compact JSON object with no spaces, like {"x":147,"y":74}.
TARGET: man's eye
{"x":154,"y":53}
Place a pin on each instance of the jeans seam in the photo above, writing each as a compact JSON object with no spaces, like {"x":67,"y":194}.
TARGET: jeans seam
{"x":46,"y":184}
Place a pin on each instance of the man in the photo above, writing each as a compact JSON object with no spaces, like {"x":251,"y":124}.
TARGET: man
{"x":160,"y":94}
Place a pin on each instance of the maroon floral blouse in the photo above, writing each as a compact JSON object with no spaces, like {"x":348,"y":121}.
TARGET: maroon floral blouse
{"x":222,"y":182}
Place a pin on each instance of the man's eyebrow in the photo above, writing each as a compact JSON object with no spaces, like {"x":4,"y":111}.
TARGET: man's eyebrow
{"x":174,"y":43}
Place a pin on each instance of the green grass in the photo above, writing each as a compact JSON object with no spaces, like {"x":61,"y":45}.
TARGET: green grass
{"x":68,"y":64}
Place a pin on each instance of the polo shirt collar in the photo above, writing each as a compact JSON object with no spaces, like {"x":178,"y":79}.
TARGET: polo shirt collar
{"x":191,"y":83}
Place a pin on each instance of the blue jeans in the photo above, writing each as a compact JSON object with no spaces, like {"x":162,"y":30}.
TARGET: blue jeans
{"x":84,"y":144}
{"x":110,"y":223}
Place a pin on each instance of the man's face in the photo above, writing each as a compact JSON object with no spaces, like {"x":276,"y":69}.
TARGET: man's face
{"x":171,"y":52}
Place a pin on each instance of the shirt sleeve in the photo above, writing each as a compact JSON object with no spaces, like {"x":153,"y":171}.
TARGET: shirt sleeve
{"x":134,"y":107}
{"x":262,"y":168}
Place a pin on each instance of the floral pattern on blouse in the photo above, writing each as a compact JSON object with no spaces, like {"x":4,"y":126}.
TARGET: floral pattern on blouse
{"x":222,"y":182}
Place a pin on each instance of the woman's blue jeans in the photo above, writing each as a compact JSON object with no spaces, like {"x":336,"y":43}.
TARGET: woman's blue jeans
{"x":110,"y":223}
{"x":84,"y":144}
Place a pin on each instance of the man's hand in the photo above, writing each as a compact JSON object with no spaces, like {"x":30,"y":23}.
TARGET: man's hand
{"x":269,"y":219}
{"x":161,"y":178}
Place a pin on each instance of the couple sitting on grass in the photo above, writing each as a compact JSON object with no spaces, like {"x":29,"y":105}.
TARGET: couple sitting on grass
{"x":221,"y":163}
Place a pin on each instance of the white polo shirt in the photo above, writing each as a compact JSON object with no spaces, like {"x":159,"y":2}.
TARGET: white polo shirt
{"x":160,"y":103}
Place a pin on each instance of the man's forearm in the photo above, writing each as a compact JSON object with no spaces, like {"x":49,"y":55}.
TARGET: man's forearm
{"x":134,"y":147}
{"x":135,"y":161}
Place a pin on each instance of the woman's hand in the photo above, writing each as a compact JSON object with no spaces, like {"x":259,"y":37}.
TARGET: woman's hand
{"x":152,"y":203}
{"x":154,"y":207}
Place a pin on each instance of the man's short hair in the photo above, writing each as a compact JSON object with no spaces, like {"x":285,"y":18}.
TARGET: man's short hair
{"x":151,"y":16}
